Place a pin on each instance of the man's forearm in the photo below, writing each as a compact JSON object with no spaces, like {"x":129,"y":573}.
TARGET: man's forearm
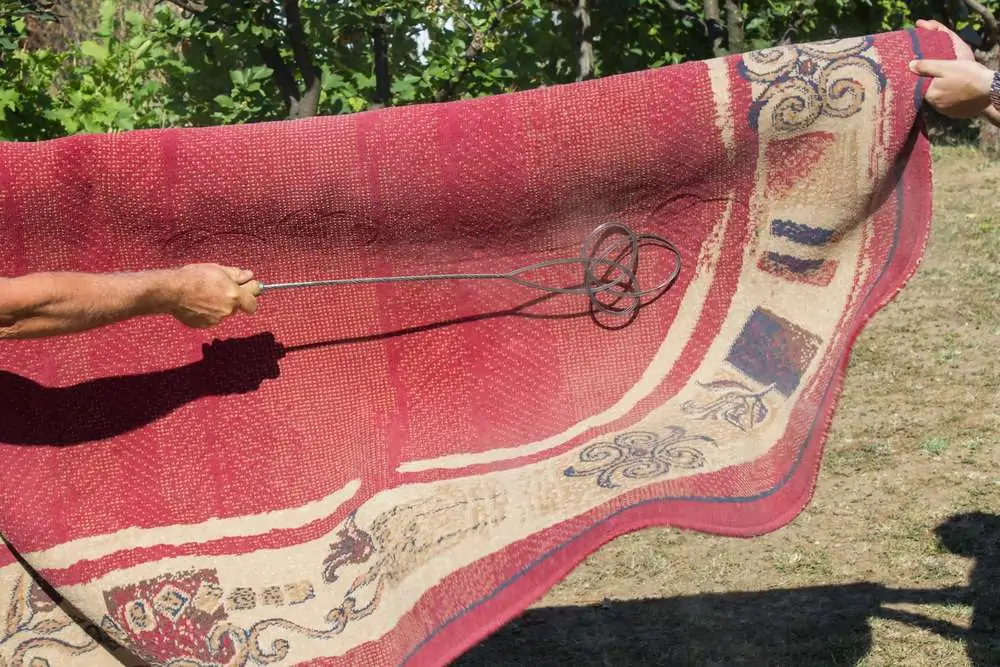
{"x":992,"y":115}
{"x":48,"y":304}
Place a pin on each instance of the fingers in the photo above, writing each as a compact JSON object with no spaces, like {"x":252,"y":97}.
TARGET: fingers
{"x":248,"y":296}
{"x":962,"y":50}
{"x":246,"y":299}
{"x":930,"y":25}
{"x":239,"y":276}
{"x":933,"y":68}
{"x":249,"y":290}
{"x":211,"y":293}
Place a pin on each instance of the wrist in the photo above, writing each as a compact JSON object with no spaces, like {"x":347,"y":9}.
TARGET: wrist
{"x":991,"y":83}
{"x":158,"y":292}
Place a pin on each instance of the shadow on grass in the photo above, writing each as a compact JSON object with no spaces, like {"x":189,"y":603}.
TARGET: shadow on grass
{"x":822,"y":625}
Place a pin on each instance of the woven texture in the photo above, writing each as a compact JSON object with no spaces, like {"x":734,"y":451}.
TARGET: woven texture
{"x":384,"y":474}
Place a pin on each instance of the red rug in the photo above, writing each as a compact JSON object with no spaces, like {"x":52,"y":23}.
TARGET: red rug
{"x":384,"y":474}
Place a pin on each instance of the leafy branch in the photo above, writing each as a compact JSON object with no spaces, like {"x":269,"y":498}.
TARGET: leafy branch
{"x":989,"y":22}
{"x":710,"y":19}
{"x":308,"y":102}
{"x":798,"y":17}
{"x":380,"y":52}
{"x":585,"y":44}
{"x":474,"y":49}
{"x":301,"y":101}
{"x":189,"y":7}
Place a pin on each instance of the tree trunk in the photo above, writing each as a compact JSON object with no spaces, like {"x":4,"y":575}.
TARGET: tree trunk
{"x":283,"y":76}
{"x":795,"y":23}
{"x":989,"y":21}
{"x":472,"y":51}
{"x":734,"y":27}
{"x":308,"y":104}
{"x":383,"y":82}
{"x":713,"y":26}
{"x":585,"y":47}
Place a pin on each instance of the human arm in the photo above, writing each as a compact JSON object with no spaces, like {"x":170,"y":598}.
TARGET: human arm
{"x":992,"y":115}
{"x":959,"y":88}
{"x":48,"y":304}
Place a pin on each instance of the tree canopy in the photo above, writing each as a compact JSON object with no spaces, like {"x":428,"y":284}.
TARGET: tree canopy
{"x":98,"y":65}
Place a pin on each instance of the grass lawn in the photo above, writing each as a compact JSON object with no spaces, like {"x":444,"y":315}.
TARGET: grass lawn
{"x":896,"y":561}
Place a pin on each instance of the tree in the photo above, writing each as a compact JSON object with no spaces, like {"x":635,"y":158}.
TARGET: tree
{"x":71,"y":66}
{"x":105,"y":82}
{"x":585,"y":44}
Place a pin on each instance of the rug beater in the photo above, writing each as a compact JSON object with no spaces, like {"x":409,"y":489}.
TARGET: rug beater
{"x":618,"y":281}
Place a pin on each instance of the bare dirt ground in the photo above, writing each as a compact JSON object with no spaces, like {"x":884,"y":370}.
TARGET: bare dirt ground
{"x":896,"y":561}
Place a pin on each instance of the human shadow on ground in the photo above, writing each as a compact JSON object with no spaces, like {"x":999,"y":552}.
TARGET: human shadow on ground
{"x":34,"y":414}
{"x":46,"y":597}
{"x":107,"y":407}
{"x":822,"y":625}
{"x":977,"y":536}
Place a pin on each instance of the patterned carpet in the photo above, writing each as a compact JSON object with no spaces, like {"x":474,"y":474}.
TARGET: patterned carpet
{"x":383,"y":474}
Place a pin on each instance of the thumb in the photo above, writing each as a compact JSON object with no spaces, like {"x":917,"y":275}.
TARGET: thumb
{"x":930,"y":25}
{"x":239,"y":276}
{"x":931,"y":67}
{"x":246,"y":299}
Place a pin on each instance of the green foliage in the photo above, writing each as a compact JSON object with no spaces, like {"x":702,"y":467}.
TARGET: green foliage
{"x":151,"y":64}
{"x":105,"y":83}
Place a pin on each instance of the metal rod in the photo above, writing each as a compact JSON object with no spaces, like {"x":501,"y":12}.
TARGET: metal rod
{"x":619,"y":259}
{"x":340,"y":282}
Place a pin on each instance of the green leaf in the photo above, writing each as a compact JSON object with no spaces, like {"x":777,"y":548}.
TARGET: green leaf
{"x":91,"y":49}
{"x":362,"y":80}
{"x":261,"y":73}
{"x":110,"y":107}
{"x":142,"y":49}
{"x":8,"y":100}
{"x":329,"y":80}
{"x":107,"y":18}
{"x":224,"y":101}
{"x":134,"y":18}
{"x":403,"y":89}
{"x":67,"y":118}
{"x":149,"y":89}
